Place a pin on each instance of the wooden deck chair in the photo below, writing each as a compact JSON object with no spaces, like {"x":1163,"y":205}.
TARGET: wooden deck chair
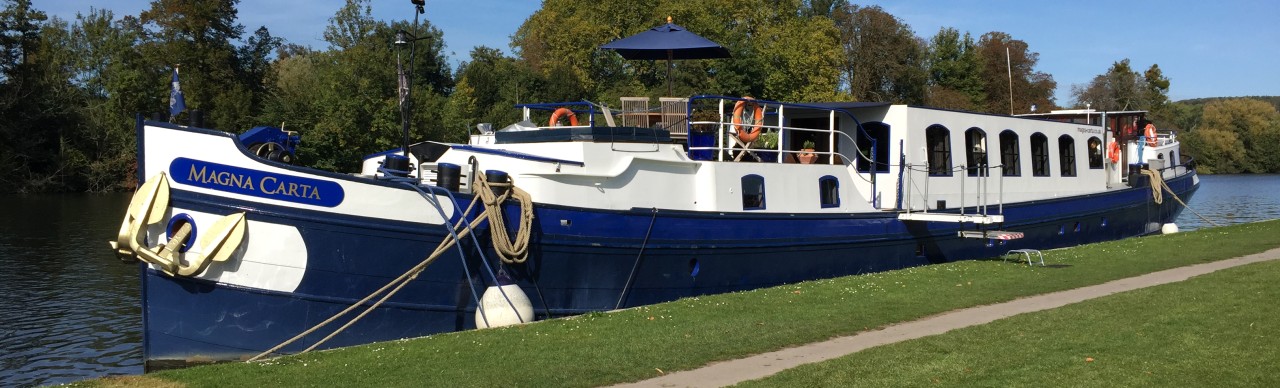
{"x":608,"y":115}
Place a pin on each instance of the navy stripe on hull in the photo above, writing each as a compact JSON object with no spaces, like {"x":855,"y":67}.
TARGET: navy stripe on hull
{"x":580,"y":260}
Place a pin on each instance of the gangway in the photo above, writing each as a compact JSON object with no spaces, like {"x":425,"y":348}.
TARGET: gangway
{"x":983,"y":217}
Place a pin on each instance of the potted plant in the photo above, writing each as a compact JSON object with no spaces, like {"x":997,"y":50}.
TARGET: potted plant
{"x":767,"y":144}
{"x":806,"y":155}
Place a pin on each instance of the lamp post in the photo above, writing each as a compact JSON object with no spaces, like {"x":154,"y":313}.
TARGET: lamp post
{"x":404,"y":74}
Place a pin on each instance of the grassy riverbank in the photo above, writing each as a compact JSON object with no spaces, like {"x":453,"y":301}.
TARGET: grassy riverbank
{"x":1214,"y":330}
{"x":597,"y":349}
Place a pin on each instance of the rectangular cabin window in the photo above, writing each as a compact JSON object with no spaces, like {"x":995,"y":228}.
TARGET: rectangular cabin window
{"x":752,"y":192}
{"x":976,"y":151}
{"x":1067,"y":155}
{"x":1039,"y":155}
{"x":1009,"y":154}
{"x":1095,"y":153}
{"x":939,"y":143}
{"x":829,"y":191}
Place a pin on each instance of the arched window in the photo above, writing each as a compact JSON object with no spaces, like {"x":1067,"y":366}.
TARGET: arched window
{"x":975,"y":143}
{"x":1039,"y":154}
{"x":752,"y":192}
{"x":1010,"y":156}
{"x":1095,"y":153}
{"x":829,"y":191}
{"x":880,"y":132}
{"x":939,"y":143}
{"x":1067,"y":155}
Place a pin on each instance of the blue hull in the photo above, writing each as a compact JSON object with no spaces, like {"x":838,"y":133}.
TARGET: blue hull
{"x":580,"y":260}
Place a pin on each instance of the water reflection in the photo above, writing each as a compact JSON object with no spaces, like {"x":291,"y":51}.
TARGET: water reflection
{"x":68,"y":309}
{"x":1233,"y":199}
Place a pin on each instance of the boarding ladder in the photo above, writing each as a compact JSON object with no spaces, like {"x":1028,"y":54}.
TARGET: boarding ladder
{"x":986,"y":222}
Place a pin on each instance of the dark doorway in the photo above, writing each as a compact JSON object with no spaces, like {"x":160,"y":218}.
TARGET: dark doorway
{"x":821,"y":141}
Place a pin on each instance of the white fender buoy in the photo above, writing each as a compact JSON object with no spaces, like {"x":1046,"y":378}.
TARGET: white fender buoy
{"x":497,"y":312}
{"x":1169,"y":228}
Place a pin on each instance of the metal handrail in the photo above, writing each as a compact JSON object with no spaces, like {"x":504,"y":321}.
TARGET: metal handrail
{"x":982,"y":204}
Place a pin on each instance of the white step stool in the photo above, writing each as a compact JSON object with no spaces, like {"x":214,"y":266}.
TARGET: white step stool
{"x":1027,"y":253}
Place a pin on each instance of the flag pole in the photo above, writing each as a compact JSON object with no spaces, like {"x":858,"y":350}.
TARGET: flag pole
{"x":1008,"y":64}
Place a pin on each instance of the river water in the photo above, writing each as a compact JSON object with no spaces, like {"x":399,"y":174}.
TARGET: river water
{"x":69,"y":310}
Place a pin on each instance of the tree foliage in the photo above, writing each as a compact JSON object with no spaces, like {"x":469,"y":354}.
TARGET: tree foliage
{"x":1007,"y":66}
{"x":35,"y":96}
{"x":1235,"y":136}
{"x":1122,"y":88}
{"x":778,"y":52}
{"x":883,"y":58}
{"x":344,"y":100}
{"x":954,"y":79}
{"x":69,"y":89}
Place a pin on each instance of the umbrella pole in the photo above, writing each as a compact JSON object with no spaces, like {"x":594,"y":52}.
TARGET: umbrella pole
{"x":669,"y":58}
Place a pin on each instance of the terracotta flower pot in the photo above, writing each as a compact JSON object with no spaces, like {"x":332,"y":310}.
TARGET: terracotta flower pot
{"x":807,"y":156}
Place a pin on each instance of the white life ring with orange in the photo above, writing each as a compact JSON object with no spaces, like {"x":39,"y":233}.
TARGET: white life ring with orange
{"x":748,"y":131}
{"x":1150,"y":133}
{"x":563,"y":112}
{"x":1113,"y":151}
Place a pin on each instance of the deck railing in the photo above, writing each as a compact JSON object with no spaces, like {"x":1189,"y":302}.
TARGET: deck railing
{"x":981,"y":192}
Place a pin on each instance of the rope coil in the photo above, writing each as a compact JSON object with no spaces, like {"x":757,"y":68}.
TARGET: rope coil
{"x":510,"y":251}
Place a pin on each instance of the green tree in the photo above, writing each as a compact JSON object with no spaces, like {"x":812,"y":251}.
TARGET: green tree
{"x":883,"y":59}
{"x":1234,"y":136}
{"x":1216,"y":151}
{"x":37,"y":100}
{"x":1180,"y":116}
{"x":1256,"y":123}
{"x":196,"y":36}
{"x":953,"y":71}
{"x":777,"y":52}
{"x":1000,"y":55}
{"x":1122,"y":88}
{"x":117,"y":84}
{"x":799,"y":58}
{"x":344,"y":100}
{"x":1155,"y":88}
{"x":488,"y":88}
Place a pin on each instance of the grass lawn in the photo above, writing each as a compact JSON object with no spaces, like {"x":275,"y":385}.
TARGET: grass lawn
{"x":599,"y":349}
{"x":1214,"y":330}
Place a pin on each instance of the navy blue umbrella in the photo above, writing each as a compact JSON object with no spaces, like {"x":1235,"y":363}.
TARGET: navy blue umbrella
{"x":669,"y":42}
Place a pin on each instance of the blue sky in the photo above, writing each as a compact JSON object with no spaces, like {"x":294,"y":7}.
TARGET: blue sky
{"x":1206,"y":48}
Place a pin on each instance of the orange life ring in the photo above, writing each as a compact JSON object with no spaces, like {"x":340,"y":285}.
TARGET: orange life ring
{"x":563,"y":112}
{"x":1150,"y":133}
{"x":1113,"y":151}
{"x":749,"y":131}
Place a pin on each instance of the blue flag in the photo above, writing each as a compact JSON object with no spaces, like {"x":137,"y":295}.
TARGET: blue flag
{"x":177,"y":103}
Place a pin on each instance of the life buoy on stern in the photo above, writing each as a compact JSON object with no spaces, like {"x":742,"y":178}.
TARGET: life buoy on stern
{"x":1113,"y":151}
{"x":747,"y":125}
{"x":563,"y":112}
{"x":1150,"y":133}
